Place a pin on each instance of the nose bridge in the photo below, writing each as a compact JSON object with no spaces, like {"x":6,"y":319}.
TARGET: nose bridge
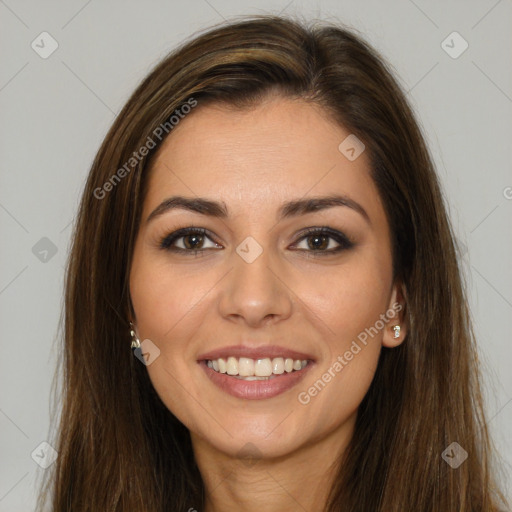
{"x":254,"y":289}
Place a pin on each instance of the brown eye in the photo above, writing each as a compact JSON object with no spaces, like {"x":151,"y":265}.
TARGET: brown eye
{"x":318,"y":241}
{"x":191,"y":240}
{"x":321,"y":240}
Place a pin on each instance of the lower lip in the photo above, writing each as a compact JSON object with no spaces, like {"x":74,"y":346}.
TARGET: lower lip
{"x":255,"y":389}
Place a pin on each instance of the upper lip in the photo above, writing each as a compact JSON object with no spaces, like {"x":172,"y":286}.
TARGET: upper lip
{"x":261,"y":352}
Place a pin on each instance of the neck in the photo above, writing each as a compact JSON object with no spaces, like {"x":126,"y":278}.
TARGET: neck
{"x":300,"y":480}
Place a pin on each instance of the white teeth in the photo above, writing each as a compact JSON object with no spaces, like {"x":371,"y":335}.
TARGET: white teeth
{"x":256,"y":369}
{"x":232,"y":366}
{"x":263,"y":367}
{"x":245,"y":367}
{"x":277,"y":365}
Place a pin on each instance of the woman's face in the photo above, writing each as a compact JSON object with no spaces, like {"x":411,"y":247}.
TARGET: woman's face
{"x":255,"y":290}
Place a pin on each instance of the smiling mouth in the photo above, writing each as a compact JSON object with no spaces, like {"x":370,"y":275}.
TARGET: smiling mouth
{"x":255,"y":379}
{"x":245,"y":368}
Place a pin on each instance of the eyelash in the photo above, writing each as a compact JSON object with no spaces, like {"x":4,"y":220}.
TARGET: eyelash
{"x":343,"y":241}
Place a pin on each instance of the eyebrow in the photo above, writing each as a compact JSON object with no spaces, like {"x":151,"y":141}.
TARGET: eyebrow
{"x":287,"y":210}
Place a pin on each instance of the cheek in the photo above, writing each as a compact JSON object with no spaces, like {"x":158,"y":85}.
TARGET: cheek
{"x":351,"y":298}
{"x":336,"y":389}
{"x":164,"y":301}
{"x":162,"y":297}
{"x":351,"y":303}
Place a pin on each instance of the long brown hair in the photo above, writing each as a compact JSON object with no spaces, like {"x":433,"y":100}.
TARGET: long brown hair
{"x":120,"y":448}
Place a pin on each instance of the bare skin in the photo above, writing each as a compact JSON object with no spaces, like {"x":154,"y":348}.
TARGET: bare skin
{"x":296,"y":294}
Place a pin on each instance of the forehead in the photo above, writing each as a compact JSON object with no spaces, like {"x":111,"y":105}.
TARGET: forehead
{"x":280,"y":149}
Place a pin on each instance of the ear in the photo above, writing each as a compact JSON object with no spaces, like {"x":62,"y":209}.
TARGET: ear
{"x":396,"y":316}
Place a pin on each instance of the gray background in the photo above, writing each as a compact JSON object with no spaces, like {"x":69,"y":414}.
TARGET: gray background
{"x":56,"y":111}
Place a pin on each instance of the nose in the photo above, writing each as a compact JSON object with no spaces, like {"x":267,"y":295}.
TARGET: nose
{"x":255,"y":293}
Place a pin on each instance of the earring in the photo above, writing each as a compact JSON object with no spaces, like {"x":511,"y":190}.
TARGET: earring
{"x":396,"y":329}
{"x":135,"y":340}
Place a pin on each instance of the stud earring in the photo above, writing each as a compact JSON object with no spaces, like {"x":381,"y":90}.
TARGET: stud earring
{"x":396,"y":329}
{"x":135,"y":340}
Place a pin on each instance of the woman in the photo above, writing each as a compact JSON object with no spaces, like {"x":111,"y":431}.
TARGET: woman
{"x":264,"y":227}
